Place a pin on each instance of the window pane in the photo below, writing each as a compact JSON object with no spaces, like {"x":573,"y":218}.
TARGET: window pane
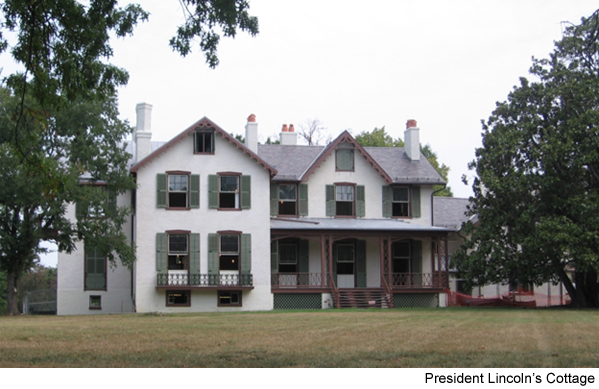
{"x":400,"y":194}
{"x":401,"y":250}
{"x":229,"y":244}
{"x":287,"y":192}
{"x":345,"y":253}
{"x":229,"y":184}
{"x":177,"y":243}
{"x":177,"y":183}
{"x":345,"y":193}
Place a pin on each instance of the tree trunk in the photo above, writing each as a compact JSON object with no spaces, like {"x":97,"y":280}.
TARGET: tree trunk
{"x":11,"y":295}
{"x":587,"y":290}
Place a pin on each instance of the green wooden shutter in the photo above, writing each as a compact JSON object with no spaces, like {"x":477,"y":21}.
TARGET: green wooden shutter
{"x":303,"y":199}
{"x":213,"y":191}
{"x":330,"y":198}
{"x":360,"y":203}
{"x":246,"y":253}
{"x":246,"y":192}
{"x":417,"y":262}
{"x":303,"y":258}
{"x":213,"y":265}
{"x":95,"y":270}
{"x":111,"y":202}
{"x":304,"y":261}
{"x":387,"y":201}
{"x":274,"y":256}
{"x":194,"y":191}
{"x":274,"y":199}
{"x":345,"y":159}
{"x":161,"y":190}
{"x":194,"y":253}
{"x":415,"y":194}
{"x":361,"y":264}
{"x":161,"y":252}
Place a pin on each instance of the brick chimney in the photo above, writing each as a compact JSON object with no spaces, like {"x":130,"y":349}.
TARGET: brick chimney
{"x":143,"y":131}
{"x":412,"y":140}
{"x":288,"y":135}
{"x":251,"y":134}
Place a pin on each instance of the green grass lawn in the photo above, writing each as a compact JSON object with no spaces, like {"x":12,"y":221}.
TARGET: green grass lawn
{"x":451,"y":337}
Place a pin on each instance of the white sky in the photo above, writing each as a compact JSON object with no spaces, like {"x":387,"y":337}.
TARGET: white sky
{"x":350,"y":64}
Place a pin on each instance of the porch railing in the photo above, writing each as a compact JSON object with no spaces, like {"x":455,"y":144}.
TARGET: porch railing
{"x":297,"y":280}
{"x":204,"y":280}
{"x":418,"y":280}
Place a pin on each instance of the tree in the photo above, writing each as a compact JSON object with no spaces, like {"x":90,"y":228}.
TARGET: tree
{"x":379,"y":138}
{"x":59,"y":121}
{"x":311,"y":131}
{"x":44,"y":162}
{"x":536,"y":193}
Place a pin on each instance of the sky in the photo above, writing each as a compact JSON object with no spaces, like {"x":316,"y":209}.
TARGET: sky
{"x":352,"y":65}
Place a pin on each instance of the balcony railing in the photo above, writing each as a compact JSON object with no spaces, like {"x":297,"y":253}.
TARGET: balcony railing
{"x":298,"y":280}
{"x":206,"y":280}
{"x":418,"y":280}
{"x":399,"y":280}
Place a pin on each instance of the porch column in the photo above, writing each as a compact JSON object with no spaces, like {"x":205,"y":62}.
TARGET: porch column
{"x":330,"y":259}
{"x":323,"y":261}
{"x":389,"y":262}
{"x":446,"y":262}
{"x":439,"y":261}
{"x":382,"y":259}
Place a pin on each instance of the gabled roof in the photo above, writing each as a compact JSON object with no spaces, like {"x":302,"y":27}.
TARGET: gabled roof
{"x":345,"y":137}
{"x":203,"y":123}
{"x":297,"y":163}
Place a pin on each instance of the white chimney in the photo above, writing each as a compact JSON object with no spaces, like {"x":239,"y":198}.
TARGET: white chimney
{"x":288,"y":136}
{"x":251,"y":134}
{"x":143,"y":131}
{"x":412,"y":140}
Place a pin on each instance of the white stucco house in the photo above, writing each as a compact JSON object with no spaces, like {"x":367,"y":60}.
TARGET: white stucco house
{"x":225,"y":226}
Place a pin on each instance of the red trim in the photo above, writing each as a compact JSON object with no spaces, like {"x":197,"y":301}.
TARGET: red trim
{"x":177,"y":173}
{"x":229,"y":232}
{"x":229,"y":174}
{"x":178,"y":232}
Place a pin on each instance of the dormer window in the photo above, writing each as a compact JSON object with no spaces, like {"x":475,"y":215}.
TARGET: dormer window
{"x":204,"y":142}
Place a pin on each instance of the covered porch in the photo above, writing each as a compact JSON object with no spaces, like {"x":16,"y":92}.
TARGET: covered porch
{"x":362,"y":262}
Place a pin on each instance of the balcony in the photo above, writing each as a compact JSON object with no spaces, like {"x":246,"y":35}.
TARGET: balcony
{"x":399,"y":281}
{"x":208,"y":281}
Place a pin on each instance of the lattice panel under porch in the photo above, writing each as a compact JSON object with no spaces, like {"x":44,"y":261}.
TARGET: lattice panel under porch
{"x":297,"y":301}
{"x":413,"y":300}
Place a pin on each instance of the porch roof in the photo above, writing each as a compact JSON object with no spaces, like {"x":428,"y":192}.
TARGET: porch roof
{"x":333,"y":224}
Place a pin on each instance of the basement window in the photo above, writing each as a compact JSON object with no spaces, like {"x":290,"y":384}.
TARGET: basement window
{"x":178,"y":298}
{"x":229,"y":298}
{"x":95,"y":302}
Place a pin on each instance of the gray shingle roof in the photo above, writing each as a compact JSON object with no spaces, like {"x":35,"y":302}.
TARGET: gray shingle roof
{"x":291,"y":162}
{"x":403,"y":171}
{"x":450,"y":212}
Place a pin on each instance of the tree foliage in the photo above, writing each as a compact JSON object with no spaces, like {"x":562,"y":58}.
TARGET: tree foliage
{"x":59,"y":125}
{"x":379,"y":138}
{"x":536,"y":194}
